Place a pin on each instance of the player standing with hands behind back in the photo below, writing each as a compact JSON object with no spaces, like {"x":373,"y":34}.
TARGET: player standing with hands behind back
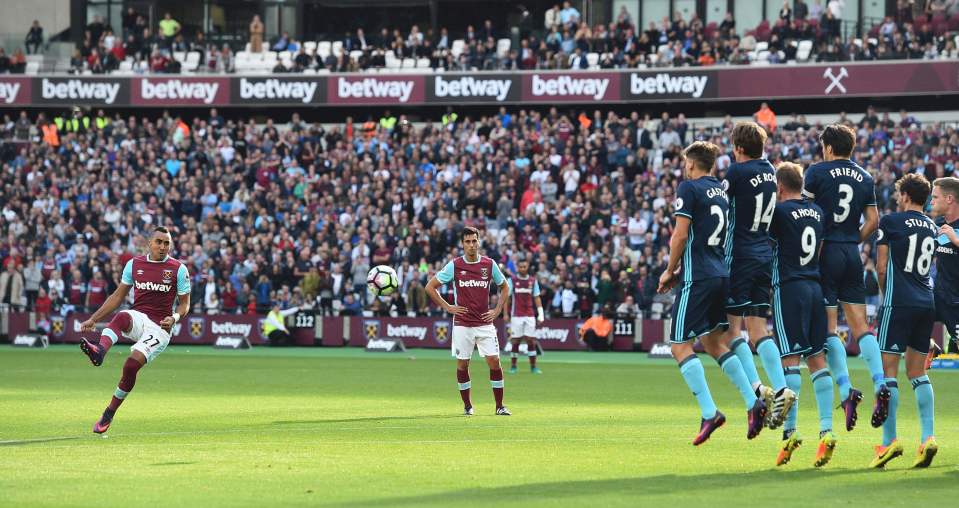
{"x":472,"y":276}
{"x":527,"y":310}
{"x":846,"y":193}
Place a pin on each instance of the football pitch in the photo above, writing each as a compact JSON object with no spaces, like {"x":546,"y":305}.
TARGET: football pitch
{"x":341,"y":427}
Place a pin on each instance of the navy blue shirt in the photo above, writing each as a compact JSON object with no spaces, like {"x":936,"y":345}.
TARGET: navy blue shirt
{"x":947,"y":267}
{"x":703,"y":201}
{"x":911,"y":237}
{"x":797,"y":230}
{"x":751,"y":187}
{"x":843,"y":190}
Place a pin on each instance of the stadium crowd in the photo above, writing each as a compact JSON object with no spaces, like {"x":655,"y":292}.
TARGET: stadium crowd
{"x":267,"y":213}
{"x":561,"y":41}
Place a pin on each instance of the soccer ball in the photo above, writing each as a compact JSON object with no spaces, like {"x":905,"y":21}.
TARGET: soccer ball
{"x":382,"y":281}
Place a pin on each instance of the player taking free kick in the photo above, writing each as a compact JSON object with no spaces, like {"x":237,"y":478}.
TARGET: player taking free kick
{"x":157,"y":281}
{"x":696,"y":251}
{"x":472,"y":277}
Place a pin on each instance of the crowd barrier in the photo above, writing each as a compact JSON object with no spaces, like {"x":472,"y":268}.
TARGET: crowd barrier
{"x":308,"y":329}
{"x":719,"y":83}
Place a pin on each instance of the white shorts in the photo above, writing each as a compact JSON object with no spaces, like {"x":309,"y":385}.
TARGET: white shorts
{"x":522,"y":327}
{"x":466,"y":338}
{"x":150,"y":339}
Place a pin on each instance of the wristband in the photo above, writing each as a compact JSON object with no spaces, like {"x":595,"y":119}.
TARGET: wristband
{"x":176,"y":317}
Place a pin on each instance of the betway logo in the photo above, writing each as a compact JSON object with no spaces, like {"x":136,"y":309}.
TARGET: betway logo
{"x":560,"y":334}
{"x":568,"y":85}
{"x":230,"y":328}
{"x":9,"y":91}
{"x":472,"y":87}
{"x":374,"y":88}
{"x":76,"y":89}
{"x":178,"y":89}
{"x":664,"y":83}
{"x":277,"y":89}
{"x":416,"y":332}
{"x":152,"y":286}
{"x":474,"y":283}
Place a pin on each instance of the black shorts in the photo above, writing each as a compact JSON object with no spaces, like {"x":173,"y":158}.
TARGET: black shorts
{"x":749,"y":284}
{"x":948,"y":315}
{"x":843,"y":276}
{"x":799,"y":318}
{"x":902,"y":327}
{"x":700,"y":308}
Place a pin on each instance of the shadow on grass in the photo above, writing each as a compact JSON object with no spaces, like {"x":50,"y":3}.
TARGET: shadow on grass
{"x":173,"y":463}
{"x":713,"y":486}
{"x":23,"y":442}
{"x":367,"y":419}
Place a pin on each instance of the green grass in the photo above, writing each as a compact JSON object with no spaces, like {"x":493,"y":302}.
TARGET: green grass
{"x":346,"y":428}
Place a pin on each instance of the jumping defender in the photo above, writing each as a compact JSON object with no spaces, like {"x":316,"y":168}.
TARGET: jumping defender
{"x":846,"y":192}
{"x":696,"y":250}
{"x":751,"y":186}
{"x":906,"y":245}
{"x":799,"y":315}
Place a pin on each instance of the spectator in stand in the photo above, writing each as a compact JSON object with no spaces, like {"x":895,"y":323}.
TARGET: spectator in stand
{"x":169,"y":29}
{"x":34,"y":39}
{"x":4,"y":62}
{"x":12,"y":287}
{"x":552,"y":17}
{"x":18,"y":62}
{"x":282,"y":42}
{"x":800,"y":10}
{"x":256,"y":34}
{"x":765,"y":117}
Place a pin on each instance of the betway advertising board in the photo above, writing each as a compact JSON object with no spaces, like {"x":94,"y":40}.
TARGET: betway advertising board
{"x":199,"y":329}
{"x":716,"y":83}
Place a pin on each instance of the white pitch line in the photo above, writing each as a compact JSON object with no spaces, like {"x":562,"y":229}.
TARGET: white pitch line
{"x":310,"y":429}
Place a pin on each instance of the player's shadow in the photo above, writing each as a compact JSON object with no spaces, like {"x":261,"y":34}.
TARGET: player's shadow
{"x":705,"y":487}
{"x":24,"y":442}
{"x":369,"y":419}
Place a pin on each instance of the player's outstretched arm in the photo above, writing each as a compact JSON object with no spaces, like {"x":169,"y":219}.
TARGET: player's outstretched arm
{"x":113,"y":301}
{"x":871,"y":223}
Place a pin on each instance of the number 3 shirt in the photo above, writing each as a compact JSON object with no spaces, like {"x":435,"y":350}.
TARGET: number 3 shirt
{"x":703,"y":201}
{"x":911,"y":237}
{"x":843,"y":190}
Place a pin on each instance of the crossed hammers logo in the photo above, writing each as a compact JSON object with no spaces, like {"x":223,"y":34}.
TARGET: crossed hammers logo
{"x":835,"y":79}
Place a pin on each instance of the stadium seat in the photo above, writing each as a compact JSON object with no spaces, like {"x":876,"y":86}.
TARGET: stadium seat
{"x":356,"y":54}
{"x":33,"y":67}
{"x":408,"y":63}
{"x":337,"y":48}
{"x":458,"y":46}
{"x":247,"y":47}
{"x":873,"y":41}
{"x":192,"y":60}
{"x":593,"y":60}
{"x":423,"y":63}
{"x":309,"y":47}
{"x":804,"y":51}
{"x":179,"y":56}
{"x":323,"y":49}
{"x":502,"y":48}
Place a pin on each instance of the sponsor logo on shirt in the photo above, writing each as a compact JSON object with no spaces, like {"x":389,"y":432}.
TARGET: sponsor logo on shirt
{"x":152,"y":286}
